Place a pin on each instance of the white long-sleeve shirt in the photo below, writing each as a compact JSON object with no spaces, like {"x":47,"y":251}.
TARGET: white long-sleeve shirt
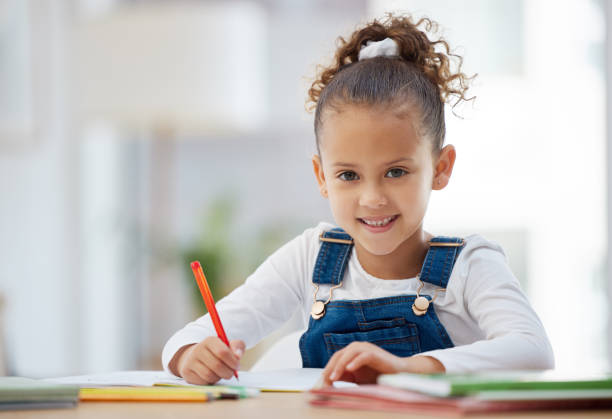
{"x":483,"y":309}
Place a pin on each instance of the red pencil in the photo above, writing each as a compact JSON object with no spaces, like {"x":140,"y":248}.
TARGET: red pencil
{"x":210,"y":302}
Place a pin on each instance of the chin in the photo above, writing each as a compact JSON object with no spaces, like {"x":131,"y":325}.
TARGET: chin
{"x":382,"y":250}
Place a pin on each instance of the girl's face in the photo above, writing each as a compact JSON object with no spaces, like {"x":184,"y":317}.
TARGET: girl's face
{"x":378,"y":175}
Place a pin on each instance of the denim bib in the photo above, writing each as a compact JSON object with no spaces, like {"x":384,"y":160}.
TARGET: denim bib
{"x":390,"y":322}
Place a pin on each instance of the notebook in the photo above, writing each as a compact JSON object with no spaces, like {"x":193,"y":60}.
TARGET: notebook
{"x":469,"y":384}
{"x":385,"y":398}
{"x":18,"y":393}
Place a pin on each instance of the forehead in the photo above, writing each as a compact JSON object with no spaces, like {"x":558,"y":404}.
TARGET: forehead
{"x":358,"y":133}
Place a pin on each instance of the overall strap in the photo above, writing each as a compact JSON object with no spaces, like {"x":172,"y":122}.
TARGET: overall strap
{"x":440,"y":259}
{"x":333,"y":257}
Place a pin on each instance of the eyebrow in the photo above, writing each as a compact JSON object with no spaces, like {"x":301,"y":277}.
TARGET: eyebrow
{"x":403,"y":159}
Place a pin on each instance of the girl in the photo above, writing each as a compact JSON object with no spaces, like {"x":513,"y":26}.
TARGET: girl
{"x":378,"y":294}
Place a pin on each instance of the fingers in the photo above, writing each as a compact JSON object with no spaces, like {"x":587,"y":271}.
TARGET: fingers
{"x":378,"y":360}
{"x":359,"y":362}
{"x":220,"y":360}
{"x":211,"y":360}
{"x":200,"y":374}
{"x":336,"y":365}
{"x":345,"y":357}
{"x":238,"y":347}
{"x":363,"y":359}
{"x":224,"y":355}
{"x":325,"y":380}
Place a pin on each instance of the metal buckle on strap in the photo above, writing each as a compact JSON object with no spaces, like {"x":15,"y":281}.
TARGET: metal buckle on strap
{"x":446,"y":244}
{"x":332,"y":240}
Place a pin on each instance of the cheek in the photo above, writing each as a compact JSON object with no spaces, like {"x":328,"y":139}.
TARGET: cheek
{"x":423,"y":190}
{"x":422,"y":197}
{"x":414,"y":197}
{"x":340,"y":201}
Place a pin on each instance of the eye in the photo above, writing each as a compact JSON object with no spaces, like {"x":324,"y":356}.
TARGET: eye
{"x":348,"y":176}
{"x":395,"y":172}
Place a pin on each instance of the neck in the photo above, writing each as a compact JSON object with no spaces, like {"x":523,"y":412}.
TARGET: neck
{"x":404,"y":262}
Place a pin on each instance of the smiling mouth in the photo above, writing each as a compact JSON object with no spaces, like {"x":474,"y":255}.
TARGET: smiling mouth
{"x":381,"y":222}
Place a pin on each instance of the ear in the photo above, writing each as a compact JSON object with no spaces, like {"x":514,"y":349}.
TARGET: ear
{"x":317,"y":165}
{"x":444,"y":167}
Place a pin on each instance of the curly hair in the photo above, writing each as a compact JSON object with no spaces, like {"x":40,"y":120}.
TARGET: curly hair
{"x":419,"y":77}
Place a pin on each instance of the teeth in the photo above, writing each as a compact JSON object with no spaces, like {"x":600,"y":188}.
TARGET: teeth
{"x":379,"y":223}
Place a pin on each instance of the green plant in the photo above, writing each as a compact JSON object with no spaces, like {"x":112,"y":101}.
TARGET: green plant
{"x":211,"y":248}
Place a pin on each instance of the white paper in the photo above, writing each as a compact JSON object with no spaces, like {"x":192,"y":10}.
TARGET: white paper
{"x":294,"y":379}
{"x":116,"y":378}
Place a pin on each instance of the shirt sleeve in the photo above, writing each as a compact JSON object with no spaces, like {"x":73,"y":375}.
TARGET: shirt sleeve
{"x":266,"y":300}
{"x":514,"y":336}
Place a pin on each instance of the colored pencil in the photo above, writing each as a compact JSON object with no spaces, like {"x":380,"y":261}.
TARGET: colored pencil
{"x":210,"y":302}
{"x":179,"y":394}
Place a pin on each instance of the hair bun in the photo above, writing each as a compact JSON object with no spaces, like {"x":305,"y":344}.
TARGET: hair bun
{"x":432,"y":57}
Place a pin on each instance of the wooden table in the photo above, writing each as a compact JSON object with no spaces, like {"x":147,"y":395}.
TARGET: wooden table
{"x":264,"y":406}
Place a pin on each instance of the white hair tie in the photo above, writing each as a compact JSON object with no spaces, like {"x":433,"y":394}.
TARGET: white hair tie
{"x":385,"y":48}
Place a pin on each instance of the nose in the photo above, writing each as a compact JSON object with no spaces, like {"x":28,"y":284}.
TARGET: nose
{"x":372,"y":196}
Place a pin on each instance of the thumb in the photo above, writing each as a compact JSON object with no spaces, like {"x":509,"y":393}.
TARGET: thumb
{"x":238,"y":347}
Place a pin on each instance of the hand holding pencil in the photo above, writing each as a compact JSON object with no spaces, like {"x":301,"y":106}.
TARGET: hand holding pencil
{"x":213,"y":358}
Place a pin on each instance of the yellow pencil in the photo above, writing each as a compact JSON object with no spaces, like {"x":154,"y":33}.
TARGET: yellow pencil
{"x":145,"y":394}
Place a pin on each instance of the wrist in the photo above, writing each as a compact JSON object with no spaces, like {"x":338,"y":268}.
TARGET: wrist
{"x":175,"y":364}
{"x":423,"y":364}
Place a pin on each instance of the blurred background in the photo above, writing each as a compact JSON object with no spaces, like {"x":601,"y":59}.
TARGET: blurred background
{"x":136,"y":136}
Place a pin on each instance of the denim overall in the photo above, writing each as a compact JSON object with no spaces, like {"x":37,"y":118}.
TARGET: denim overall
{"x":388,"y":322}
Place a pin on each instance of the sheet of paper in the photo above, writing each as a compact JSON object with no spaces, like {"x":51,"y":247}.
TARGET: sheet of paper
{"x":294,"y":379}
{"x":116,"y":378}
